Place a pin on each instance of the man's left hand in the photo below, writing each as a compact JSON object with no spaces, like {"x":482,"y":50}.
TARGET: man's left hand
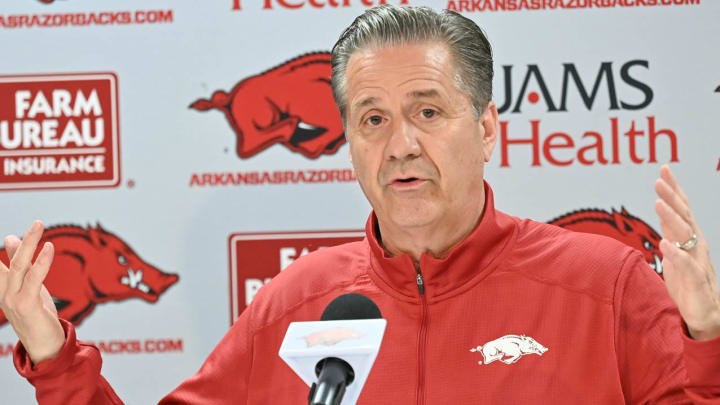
{"x":689,"y":274}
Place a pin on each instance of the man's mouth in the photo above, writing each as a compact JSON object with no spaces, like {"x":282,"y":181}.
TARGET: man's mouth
{"x":407,"y":182}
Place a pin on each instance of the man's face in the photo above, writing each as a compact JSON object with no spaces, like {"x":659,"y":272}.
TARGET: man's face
{"x":417,"y":149}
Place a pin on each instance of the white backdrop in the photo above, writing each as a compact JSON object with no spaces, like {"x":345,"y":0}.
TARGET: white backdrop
{"x":194,"y":49}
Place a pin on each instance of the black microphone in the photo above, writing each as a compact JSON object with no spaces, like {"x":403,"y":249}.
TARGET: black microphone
{"x":335,"y":374}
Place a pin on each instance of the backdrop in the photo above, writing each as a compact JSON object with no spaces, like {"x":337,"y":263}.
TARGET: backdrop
{"x":185,"y":153}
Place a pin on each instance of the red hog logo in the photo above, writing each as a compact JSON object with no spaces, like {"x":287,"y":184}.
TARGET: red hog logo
{"x":622,"y":226}
{"x":331,"y":337}
{"x":93,"y":266}
{"x":290,"y":104}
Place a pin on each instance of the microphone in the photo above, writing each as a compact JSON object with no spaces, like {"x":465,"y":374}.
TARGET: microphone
{"x":334,"y":356}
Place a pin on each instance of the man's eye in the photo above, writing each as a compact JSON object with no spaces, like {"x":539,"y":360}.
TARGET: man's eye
{"x":428,"y":113}
{"x":375,"y":120}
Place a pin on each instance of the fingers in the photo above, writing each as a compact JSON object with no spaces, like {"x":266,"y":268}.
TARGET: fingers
{"x":667,"y":175}
{"x":674,"y":200}
{"x":20,"y":263}
{"x":672,"y":225}
{"x":12,"y":242}
{"x":33,"y":282}
{"x":680,"y":268}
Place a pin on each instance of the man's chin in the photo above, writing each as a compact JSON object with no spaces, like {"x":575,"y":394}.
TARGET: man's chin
{"x":410,"y":218}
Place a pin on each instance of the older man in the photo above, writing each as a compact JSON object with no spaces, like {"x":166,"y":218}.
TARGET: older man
{"x":482,"y":307}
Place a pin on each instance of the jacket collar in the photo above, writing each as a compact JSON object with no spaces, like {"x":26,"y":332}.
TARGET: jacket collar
{"x":471,"y":260}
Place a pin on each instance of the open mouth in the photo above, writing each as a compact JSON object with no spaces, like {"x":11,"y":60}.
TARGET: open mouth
{"x":134,"y":280}
{"x":407,"y":180}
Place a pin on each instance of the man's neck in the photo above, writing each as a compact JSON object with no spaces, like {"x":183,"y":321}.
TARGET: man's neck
{"x":435,"y":239}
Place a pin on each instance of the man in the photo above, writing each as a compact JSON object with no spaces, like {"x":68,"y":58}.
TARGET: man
{"x":456,"y":279}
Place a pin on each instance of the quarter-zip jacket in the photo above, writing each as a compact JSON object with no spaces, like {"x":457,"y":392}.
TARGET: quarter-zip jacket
{"x":519,"y":312}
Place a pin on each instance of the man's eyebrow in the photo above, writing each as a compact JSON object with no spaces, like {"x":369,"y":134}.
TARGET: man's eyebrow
{"x":368,"y":101}
{"x":429,"y":93}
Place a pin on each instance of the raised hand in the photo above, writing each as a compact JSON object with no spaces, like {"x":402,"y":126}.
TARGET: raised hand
{"x":26,"y":302}
{"x":689,"y":274}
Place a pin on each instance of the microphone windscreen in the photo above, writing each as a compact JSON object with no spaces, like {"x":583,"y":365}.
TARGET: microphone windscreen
{"x":351,"y":306}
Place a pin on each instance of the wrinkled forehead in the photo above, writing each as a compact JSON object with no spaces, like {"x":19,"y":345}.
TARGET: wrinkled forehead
{"x":417,"y":70}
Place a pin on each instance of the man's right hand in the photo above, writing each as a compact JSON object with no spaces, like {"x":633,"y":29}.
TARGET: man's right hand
{"x":26,"y":302}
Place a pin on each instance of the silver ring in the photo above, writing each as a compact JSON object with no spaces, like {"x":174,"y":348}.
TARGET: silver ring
{"x":689,"y":244}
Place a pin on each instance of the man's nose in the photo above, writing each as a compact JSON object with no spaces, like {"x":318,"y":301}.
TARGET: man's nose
{"x":403,"y":142}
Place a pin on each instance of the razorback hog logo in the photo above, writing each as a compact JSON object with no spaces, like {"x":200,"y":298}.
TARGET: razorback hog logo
{"x":621,"y":226}
{"x":290,"y":104}
{"x":93,"y":266}
{"x":331,"y":337}
{"x":509,"y":348}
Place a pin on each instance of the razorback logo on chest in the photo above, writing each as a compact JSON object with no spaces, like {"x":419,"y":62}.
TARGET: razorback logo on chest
{"x":509,"y":349}
{"x":290,"y":104}
{"x":93,"y":266}
{"x":621,"y":226}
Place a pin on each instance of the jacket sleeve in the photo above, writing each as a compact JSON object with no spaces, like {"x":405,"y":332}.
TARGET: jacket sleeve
{"x":71,"y":377}
{"x":658,"y":362}
{"x":223,"y":378}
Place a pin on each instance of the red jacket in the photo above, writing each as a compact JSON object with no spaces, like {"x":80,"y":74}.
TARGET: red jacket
{"x":519,"y":312}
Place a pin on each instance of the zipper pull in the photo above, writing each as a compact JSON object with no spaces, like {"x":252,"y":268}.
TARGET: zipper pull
{"x":420,"y":283}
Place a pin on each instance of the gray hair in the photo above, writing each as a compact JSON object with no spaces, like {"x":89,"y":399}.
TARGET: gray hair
{"x":389,"y":25}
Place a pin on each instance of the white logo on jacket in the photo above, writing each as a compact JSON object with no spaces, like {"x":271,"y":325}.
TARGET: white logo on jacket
{"x":509,"y":349}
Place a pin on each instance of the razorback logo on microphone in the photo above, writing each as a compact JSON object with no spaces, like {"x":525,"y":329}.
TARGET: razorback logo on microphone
{"x":255,"y":258}
{"x":619,"y":225}
{"x":319,"y":4}
{"x":59,"y":131}
{"x":332,"y":336}
{"x":290,"y":104}
{"x":93,"y":266}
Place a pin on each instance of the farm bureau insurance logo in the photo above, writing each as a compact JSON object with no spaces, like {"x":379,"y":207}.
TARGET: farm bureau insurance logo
{"x":59,"y":131}
{"x":619,"y":88}
{"x":255,"y":258}
{"x":93,"y":266}
{"x":296,"y":4}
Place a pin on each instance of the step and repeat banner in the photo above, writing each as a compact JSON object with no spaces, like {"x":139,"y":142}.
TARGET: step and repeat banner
{"x":182,"y":153}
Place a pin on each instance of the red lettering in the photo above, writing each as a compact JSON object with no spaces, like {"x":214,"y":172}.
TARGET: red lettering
{"x":631,"y":134}
{"x":615,"y":140}
{"x":653,"y":136}
{"x":6,"y":349}
{"x":163,"y":345}
{"x":283,"y":3}
{"x":505,"y":142}
{"x":597,"y":145}
{"x":548,"y":145}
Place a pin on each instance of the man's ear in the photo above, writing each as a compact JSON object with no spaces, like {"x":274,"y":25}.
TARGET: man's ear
{"x":489,"y":123}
